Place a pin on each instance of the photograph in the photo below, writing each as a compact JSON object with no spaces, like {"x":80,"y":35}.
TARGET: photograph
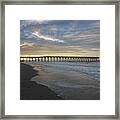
{"x":58,"y":55}
{"x":59,"y":59}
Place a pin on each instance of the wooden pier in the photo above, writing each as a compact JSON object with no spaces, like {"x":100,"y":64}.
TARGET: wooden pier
{"x":59,"y":59}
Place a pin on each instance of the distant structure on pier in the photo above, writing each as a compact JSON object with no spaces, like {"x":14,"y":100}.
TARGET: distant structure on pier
{"x":59,"y":59}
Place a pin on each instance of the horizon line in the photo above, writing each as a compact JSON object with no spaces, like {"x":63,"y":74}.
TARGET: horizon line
{"x":59,"y":56}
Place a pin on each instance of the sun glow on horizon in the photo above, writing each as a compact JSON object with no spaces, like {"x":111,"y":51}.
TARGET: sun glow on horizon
{"x":59,"y":55}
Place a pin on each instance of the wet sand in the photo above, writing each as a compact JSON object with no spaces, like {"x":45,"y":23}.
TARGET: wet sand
{"x":30,"y":90}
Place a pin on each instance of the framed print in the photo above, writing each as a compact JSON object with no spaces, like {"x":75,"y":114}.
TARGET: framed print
{"x":59,"y":60}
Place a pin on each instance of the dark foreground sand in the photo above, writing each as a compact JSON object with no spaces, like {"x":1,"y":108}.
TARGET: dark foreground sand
{"x":30,"y":90}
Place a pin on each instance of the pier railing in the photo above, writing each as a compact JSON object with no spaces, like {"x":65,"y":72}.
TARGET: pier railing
{"x":59,"y":59}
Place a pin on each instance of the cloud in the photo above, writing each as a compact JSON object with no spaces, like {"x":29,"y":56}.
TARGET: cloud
{"x":86,"y":37}
{"x":27,"y":44}
{"x":61,"y":50}
{"x":47,"y":38}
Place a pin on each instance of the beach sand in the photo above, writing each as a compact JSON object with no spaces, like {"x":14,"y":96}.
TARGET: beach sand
{"x":30,"y":90}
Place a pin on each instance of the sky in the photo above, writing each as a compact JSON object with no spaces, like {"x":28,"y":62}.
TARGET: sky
{"x":60,"y":38}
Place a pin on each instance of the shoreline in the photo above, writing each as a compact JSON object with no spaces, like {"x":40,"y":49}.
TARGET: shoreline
{"x":63,"y":81}
{"x":30,"y":90}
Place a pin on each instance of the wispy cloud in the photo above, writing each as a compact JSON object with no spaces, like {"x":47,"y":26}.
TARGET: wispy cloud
{"x":27,"y":44}
{"x":47,"y":38}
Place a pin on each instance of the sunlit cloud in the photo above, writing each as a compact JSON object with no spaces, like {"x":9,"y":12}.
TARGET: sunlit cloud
{"x":47,"y":38}
{"x":27,"y":44}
